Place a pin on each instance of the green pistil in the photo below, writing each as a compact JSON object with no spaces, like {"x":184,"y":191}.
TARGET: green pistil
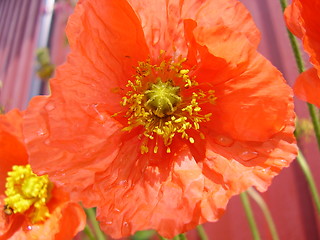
{"x":162,"y":98}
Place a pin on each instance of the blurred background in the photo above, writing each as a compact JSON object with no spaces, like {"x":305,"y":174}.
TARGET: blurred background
{"x":33,"y":43}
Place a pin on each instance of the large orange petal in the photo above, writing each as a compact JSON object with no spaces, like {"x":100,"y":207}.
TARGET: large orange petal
{"x":162,"y":21}
{"x":151,"y":194}
{"x":307,"y":86}
{"x":247,"y":107}
{"x":106,"y":38}
{"x":79,"y":146}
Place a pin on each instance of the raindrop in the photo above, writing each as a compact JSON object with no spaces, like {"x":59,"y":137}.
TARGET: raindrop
{"x":41,"y":132}
{"x":155,"y":36}
{"x":108,"y":223}
{"x":50,"y":106}
{"x":123,"y":182}
{"x":280,"y":162}
{"x":248,"y":155}
{"x":223,"y":141}
{"x":101,"y":117}
{"x":116,"y":210}
{"x":126,"y":229}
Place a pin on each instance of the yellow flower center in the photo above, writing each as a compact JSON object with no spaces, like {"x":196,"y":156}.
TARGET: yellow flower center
{"x":25,"y":190}
{"x":165,"y":101}
{"x":162,"y":98}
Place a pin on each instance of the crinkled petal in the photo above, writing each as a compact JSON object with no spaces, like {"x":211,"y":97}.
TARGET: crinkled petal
{"x":150,"y":196}
{"x":162,"y":21}
{"x":247,"y":107}
{"x":105,"y":37}
{"x":76,"y":152}
{"x":307,"y":86}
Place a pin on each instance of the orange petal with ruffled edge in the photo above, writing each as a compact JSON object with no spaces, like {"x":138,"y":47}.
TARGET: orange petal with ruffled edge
{"x":245,"y":94}
{"x":307,"y":86}
{"x":162,"y":21}
{"x":195,"y":190}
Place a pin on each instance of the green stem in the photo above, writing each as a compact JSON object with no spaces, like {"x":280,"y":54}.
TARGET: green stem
{"x":312,"y":186}
{"x":315,"y":121}
{"x":264,"y":207}
{"x":250,"y":217}
{"x":202,"y":233}
{"x":182,"y":236}
{"x":88,"y":232}
{"x":301,"y":68}
{"x":162,"y":238}
{"x":92,"y":218}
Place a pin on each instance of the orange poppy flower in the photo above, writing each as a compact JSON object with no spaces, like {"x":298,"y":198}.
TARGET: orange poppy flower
{"x":303,"y":21}
{"x":31,"y":207}
{"x":163,"y":112}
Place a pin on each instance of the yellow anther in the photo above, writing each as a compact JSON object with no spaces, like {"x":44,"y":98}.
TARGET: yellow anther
{"x":155,"y":149}
{"x":25,"y":190}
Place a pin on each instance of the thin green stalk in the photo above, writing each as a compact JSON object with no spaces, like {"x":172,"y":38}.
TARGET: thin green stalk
{"x":315,"y":121}
{"x":301,"y":68}
{"x":312,"y":186}
{"x":250,"y":217}
{"x":92,"y":218}
{"x":88,"y":232}
{"x":202,"y":233}
{"x":162,"y":238}
{"x":176,"y":237}
{"x":182,"y":236}
{"x":264,"y":208}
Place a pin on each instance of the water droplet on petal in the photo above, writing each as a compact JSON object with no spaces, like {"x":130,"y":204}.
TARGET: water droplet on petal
{"x":155,"y":36}
{"x":50,"y":106}
{"x":41,"y":132}
{"x":223,"y":140}
{"x":280,"y":162}
{"x":123,"y":182}
{"x":101,"y":116}
{"x":248,"y":155}
{"x":116,"y":210}
{"x":29,"y":227}
{"x":126,"y":229}
{"x":108,"y":222}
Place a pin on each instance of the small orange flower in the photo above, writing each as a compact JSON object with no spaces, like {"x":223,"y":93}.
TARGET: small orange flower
{"x":163,"y":111}
{"x":31,"y":207}
{"x":303,"y":21}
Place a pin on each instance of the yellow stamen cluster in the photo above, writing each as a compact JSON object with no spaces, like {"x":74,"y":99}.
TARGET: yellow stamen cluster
{"x":25,"y":190}
{"x":155,"y":102}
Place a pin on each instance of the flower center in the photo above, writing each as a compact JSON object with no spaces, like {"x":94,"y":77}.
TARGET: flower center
{"x":164,"y":100}
{"x":25,"y":190}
